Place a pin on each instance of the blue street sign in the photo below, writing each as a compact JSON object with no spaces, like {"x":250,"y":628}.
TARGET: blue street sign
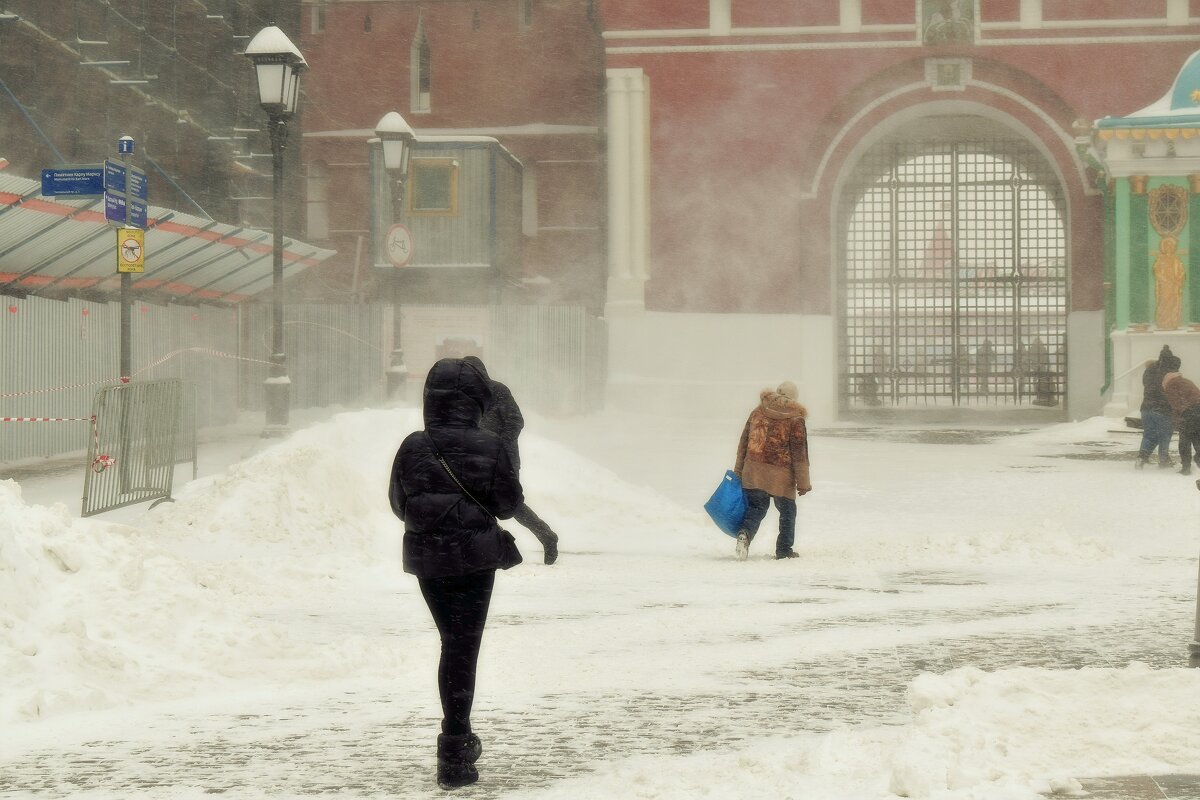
{"x":114,"y":210}
{"x":137,"y":214}
{"x":137,"y":183}
{"x":125,"y":144}
{"x":114,"y":176}
{"x":73,"y":181}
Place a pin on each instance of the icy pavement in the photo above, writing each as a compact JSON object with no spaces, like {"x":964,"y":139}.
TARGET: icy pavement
{"x":349,"y":739}
{"x":667,"y":648}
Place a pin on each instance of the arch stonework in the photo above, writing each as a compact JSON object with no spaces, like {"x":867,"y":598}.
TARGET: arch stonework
{"x":904,"y":103}
{"x":910,"y":102}
{"x":751,"y":126}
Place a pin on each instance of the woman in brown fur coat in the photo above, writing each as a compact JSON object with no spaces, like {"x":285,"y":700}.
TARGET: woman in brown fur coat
{"x":772,"y":461}
{"x":1184,"y":397}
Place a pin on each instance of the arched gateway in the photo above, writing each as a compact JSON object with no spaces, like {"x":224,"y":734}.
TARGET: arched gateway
{"x":952,"y":277}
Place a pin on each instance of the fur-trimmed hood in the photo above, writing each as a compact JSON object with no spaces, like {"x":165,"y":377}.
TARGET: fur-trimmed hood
{"x":780,"y":406}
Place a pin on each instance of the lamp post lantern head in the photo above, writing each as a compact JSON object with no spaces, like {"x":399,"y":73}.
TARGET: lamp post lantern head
{"x":277,"y":66}
{"x":397,"y":138}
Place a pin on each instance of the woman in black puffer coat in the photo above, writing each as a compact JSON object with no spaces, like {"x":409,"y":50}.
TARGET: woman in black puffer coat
{"x":451,"y":543}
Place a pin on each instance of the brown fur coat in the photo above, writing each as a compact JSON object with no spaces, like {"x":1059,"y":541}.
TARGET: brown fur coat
{"x":1181,"y":393}
{"x":772,"y":455}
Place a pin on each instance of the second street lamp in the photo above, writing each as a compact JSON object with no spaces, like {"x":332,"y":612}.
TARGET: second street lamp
{"x":396,"y":138}
{"x":277,"y":67}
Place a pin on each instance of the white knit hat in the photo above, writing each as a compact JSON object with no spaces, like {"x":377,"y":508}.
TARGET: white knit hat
{"x":789,"y":390}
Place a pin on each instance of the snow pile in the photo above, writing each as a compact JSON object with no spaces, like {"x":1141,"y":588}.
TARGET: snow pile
{"x":603,"y":510}
{"x":90,"y":615}
{"x":321,"y":490}
{"x":195,"y":594}
{"x":207,"y":590}
{"x":1038,"y":730}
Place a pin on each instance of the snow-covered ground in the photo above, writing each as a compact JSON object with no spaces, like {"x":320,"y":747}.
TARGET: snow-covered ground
{"x":995,"y":618}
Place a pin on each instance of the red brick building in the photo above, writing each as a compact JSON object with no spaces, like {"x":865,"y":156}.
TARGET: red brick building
{"x":525,"y":72}
{"x":880,"y":199}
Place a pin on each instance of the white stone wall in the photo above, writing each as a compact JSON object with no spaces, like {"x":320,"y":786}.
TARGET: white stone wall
{"x":1130,"y":353}
{"x":714,"y":365}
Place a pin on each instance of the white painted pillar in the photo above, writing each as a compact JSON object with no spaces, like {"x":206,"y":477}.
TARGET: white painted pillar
{"x":1177,"y":12}
{"x":1031,"y":13}
{"x":628,"y":189}
{"x":639,"y":237}
{"x":851,"y":16}
{"x":618,"y":174}
{"x":720,"y":17}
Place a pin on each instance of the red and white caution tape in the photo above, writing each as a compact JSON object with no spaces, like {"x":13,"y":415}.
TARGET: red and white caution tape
{"x":100,"y":462}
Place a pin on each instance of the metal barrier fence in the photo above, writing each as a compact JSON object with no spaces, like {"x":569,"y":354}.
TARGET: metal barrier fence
{"x":57,"y":353}
{"x":336,"y":354}
{"x":552,"y":357}
{"x":132,"y":451}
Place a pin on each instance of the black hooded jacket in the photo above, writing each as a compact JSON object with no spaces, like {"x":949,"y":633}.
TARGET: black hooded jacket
{"x":1153,"y":396}
{"x":502,"y":416}
{"x":445,"y":532}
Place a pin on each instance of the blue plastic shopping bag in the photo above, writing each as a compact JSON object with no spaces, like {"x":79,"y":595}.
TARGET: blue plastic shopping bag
{"x":727,"y":506}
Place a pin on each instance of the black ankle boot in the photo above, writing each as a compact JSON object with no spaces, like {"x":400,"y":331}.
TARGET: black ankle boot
{"x":455,"y":755}
{"x":474,"y":748}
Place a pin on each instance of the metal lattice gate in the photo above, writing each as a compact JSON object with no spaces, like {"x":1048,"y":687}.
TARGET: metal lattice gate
{"x":954,"y":287}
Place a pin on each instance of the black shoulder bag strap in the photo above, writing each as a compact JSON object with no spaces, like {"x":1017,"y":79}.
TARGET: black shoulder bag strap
{"x":510,"y":555}
{"x":454,"y":477}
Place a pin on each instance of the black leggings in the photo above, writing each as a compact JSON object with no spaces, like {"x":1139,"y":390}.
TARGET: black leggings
{"x":459,"y":606}
{"x":1189,"y":435}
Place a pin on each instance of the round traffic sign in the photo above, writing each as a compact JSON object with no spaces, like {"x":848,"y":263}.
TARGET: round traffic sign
{"x":398,"y":244}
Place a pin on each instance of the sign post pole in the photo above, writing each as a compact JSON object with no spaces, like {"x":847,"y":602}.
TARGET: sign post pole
{"x":125,"y":147}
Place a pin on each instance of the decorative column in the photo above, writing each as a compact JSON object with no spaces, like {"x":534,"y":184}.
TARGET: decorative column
{"x":1031,"y":13}
{"x":639,"y":229}
{"x":720,"y":17}
{"x":850,"y":16}
{"x":1139,"y":254}
{"x":1193,"y":254}
{"x":628,"y":230}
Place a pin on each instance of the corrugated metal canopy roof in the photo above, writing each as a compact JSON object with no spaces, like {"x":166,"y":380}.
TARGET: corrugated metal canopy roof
{"x":64,"y":247}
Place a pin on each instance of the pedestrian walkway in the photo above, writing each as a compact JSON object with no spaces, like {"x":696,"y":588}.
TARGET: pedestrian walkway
{"x":368,"y":739}
{"x":356,"y":740}
{"x":1143,"y":787}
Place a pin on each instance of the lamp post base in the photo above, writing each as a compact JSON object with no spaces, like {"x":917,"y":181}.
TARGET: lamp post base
{"x":277,"y":392}
{"x":397,"y":378}
{"x":1194,"y":654}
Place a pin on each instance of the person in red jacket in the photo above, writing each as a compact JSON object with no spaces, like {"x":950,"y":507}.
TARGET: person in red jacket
{"x":772,"y":461}
{"x":1184,"y":398}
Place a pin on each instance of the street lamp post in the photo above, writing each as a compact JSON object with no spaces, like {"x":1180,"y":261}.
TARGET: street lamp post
{"x":277,"y":67}
{"x":396,"y":138}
